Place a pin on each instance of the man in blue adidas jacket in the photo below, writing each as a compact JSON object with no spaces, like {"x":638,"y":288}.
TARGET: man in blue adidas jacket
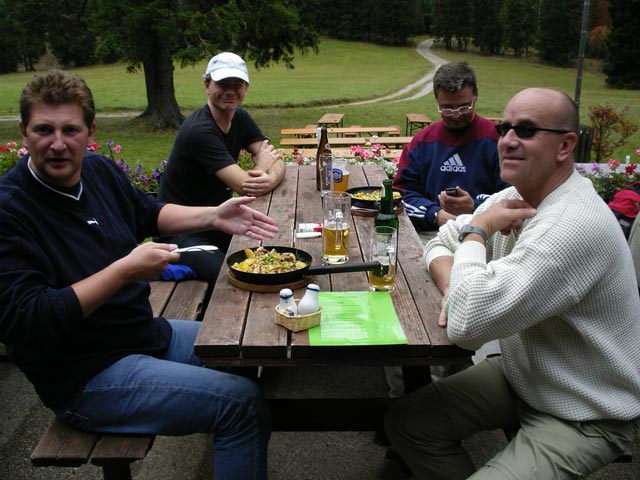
{"x":459,"y":152}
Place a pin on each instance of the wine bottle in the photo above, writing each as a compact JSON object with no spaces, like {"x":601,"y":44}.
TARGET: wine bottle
{"x":386,"y":215}
{"x":323,"y":149}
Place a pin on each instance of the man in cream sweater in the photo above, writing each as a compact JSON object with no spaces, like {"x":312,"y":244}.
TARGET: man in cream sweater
{"x":544,"y":268}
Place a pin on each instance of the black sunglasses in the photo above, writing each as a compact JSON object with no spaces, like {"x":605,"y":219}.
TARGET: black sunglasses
{"x":524,"y":131}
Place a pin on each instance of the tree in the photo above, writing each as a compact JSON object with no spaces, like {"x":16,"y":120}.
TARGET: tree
{"x":22,"y":41}
{"x":622,"y":67}
{"x":559,"y":31}
{"x":70,"y":35}
{"x":452,"y":20}
{"x":487,"y":29}
{"x":153,"y":33}
{"x":520,"y":25}
{"x":369,"y":20}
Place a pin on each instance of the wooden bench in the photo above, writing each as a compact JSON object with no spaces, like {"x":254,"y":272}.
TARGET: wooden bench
{"x":64,"y":446}
{"x":354,"y":131}
{"x":585,"y":140}
{"x":391,"y":142}
{"x":414,"y":122}
{"x":331,"y":120}
{"x":387,"y":153}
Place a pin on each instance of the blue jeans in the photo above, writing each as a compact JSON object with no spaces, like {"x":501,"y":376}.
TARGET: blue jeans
{"x":176,"y":395}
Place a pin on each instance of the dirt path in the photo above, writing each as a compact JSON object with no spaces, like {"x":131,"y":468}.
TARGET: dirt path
{"x":426,"y":84}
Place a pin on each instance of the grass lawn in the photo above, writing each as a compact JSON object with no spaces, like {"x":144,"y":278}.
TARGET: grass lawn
{"x":342,"y":72}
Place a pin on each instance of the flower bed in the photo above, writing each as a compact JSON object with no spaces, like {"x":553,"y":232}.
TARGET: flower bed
{"x":606,"y":178}
{"x":373,"y":155}
{"x":144,"y":179}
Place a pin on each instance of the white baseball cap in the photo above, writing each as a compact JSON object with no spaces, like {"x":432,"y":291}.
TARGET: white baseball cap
{"x":226,"y":65}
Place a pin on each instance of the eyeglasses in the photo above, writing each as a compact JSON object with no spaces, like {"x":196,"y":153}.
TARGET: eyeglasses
{"x":524,"y":131}
{"x":230,"y":85}
{"x":447,"y":112}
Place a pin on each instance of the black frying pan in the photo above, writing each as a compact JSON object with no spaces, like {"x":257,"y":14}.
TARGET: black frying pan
{"x":295,"y":275}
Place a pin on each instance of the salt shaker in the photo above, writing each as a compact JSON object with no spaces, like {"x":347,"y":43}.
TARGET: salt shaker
{"x":309,"y":302}
{"x":287,"y":303}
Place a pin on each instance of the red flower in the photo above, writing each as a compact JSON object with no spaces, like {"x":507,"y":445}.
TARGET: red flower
{"x":629,"y":169}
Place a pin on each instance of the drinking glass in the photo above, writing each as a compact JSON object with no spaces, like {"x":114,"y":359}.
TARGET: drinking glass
{"x":336,"y":213}
{"x":383,"y":248}
{"x":340,"y":170}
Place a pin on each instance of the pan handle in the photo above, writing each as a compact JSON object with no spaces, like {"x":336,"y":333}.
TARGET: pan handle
{"x":347,"y":267}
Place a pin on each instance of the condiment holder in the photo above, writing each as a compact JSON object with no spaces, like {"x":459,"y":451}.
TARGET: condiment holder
{"x":297,"y":323}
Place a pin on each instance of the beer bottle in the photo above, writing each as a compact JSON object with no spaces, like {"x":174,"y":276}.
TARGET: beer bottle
{"x":386,"y":216}
{"x":323,"y":148}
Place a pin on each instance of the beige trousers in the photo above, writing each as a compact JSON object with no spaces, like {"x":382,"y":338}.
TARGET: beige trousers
{"x":426,"y":428}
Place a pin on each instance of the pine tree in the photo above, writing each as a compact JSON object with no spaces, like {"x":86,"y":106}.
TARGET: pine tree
{"x":622,"y":67}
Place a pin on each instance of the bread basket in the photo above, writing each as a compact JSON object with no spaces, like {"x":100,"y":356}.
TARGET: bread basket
{"x":298,"y":323}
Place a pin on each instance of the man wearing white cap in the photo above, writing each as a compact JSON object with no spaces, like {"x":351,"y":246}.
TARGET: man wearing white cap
{"x":202,"y":167}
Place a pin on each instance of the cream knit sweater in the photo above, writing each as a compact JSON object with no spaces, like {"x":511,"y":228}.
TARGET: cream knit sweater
{"x":561,"y":296}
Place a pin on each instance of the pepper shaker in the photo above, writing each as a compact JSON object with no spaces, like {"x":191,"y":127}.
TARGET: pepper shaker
{"x":287,"y":303}
{"x":309,"y":302}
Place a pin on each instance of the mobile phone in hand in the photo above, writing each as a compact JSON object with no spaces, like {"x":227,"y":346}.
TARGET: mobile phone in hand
{"x":451,"y":191}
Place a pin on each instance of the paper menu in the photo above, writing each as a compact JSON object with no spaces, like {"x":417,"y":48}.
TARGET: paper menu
{"x":357,"y":318}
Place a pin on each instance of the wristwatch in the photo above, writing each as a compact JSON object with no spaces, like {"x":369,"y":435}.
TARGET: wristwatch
{"x":467,"y":229}
{"x":435,"y":217}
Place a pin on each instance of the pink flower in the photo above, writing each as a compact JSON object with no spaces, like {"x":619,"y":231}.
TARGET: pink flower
{"x":92,"y":147}
{"x":23,"y":151}
{"x":638,"y":152}
{"x":117,"y":148}
{"x":613,"y":164}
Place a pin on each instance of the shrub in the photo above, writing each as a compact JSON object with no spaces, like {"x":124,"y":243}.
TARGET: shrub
{"x":610,"y":130}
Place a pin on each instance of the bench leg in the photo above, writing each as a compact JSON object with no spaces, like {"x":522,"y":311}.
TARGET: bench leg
{"x":120,"y":471}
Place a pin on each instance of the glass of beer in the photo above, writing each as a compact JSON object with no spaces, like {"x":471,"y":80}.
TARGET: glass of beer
{"x":383,"y":248}
{"x":340,"y":170}
{"x":336,"y":223}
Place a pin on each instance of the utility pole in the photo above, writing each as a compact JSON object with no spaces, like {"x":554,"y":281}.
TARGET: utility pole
{"x":583,"y":40}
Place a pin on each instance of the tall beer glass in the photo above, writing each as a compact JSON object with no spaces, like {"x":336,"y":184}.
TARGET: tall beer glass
{"x":335,"y":227}
{"x":383,"y":248}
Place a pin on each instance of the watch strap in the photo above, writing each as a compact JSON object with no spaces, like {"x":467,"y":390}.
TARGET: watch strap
{"x":467,"y":229}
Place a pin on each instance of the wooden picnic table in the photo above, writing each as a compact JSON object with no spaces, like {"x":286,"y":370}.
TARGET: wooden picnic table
{"x":390,"y":130}
{"x":239,"y":329}
{"x":391,"y":142}
{"x":331,"y":120}
{"x":387,"y":153}
{"x":416,"y":121}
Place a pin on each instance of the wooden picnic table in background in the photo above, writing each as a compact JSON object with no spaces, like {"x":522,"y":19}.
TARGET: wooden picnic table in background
{"x":391,"y":142}
{"x":331,"y":120}
{"x":355,"y":131}
{"x":415,"y":122}
{"x":387,"y":153}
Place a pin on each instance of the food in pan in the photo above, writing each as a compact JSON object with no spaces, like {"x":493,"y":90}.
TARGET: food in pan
{"x":262,"y":260}
{"x":373,"y":195}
